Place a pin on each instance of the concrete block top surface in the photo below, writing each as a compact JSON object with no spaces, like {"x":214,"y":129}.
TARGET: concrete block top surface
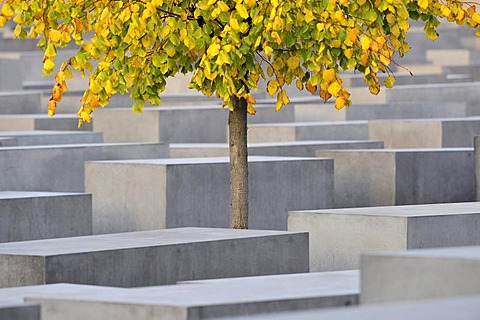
{"x":464,"y":119}
{"x":38,"y":116}
{"x":129,"y":240}
{"x":416,"y":150}
{"x":33,"y":194}
{"x":471,"y":253}
{"x":465,"y":308}
{"x":77,"y":146}
{"x":405,"y":211}
{"x":16,"y":295}
{"x":230,"y":291}
{"x":188,"y":161}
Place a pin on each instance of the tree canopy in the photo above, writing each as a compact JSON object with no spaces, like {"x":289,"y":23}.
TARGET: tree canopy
{"x":227,"y":45}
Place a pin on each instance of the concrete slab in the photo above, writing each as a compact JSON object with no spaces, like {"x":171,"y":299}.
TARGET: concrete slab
{"x":425,"y":133}
{"x":194,"y":192}
{"x":29,"y":122}
{"x":20,"y":312}
{"x":209,"y":299}
{"x":420,"y":274}
{"x":153,"y":257}
{"x":49,"y":137}
{"x":467,"y":308}
{"x":61,"y":167}
{"x":338,"y":237}
{"x":43,"y":215}
{"x":296,"y":131}
{"x":365,"y":178}
{"x":276,"y":149}
{"x":20,"y":102}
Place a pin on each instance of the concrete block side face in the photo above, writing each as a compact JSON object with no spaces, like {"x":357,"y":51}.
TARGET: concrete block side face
{"x":443,"y":231}
{"x":45,"y":217}
{"x":347,"y":131}
{"x":136,"y":202}
{"x":119,"y":125}
{"x":362,"y":179}
{"x":19,"y":271}
{"x":25,"y":312}
{"x":477,"y":166}
{"x":395,"y":279}
{"x":435,"y":177}
{"x":457,"y":134}
{"x":16,"y":124}
{"x":406,"y":134}
{"x":278,"y":187}
{"x":80,"y":310}
{"x":318,"y":112}
{"x":198,"y":195}
{"x":337,"y":241}
{"x":271,"y":134}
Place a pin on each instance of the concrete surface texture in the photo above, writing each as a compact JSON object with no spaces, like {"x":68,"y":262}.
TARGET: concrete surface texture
{"x":52,"y":137}
{"x":61,"y":167}
{"x":27,"y":122}
{"x":20,"y":102}
{"x":43,"y":215}
{"x":420,"y":274}
{"x":365,"y":178}
{"x":194,"y":192}
{"x":466,"y":308}
{"x":208,"y":299}
{"x":425,"y":133}
{"x":276,"y":149}
{"x":153,"y":257}
{"x":296,"y":131}
{"x":338,"y":237}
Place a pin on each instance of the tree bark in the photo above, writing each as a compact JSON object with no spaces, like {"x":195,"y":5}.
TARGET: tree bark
{"x":237,"y":124}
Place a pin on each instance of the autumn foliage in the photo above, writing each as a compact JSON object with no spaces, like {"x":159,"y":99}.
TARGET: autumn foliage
{"x":227,"y":45}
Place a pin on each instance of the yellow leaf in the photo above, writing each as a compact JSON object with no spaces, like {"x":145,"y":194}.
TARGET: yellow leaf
{"x":52,"y":105}
{"x":324,"y":94}
{"x":276,"y":37}
{"x":389,"y":81}
{"x":348,"y":53}
{"x":476,"y":17}
{"x":250,"y":99}
{"x":54,"y":35}
{"x":299,"y":84}
{"x":423,"y":4}
{"x":366,"y":42}
{"x":234,"y":24}
{"x":268,"y":50}
{"x":277,"y":23}
{"x":222,"y":6}
{"x":311,"y":88}
{"x":56,"y":94}
{"x":272,"y":87}
{"x":251,"y":109}
{"x":213,"y":50}
{"x":241,"y":10}
{"x":328,"y":75}
{"x":340,"y":102}
{"x":250,"y":3}
{"x":7,"y":10}
{"x":334,"y":88}
{"x":48,"y":65}
{"x":293,"y":62}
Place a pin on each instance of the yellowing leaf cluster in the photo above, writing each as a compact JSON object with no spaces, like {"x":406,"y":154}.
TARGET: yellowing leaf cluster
{"x":133,"y":47}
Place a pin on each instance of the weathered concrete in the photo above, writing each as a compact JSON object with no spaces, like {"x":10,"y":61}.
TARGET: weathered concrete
{"x":48,"y":137}
{"x":20,"y":312}
{"x":365,"y":178}
{"x":276,"y":149}
{"x":43,"y":215}
{"x":61,"y":168}
{"x":296,"y":131}
{"x":193,"y":192}
{"x":466,"y":308}
{"x":420,"y":274}
{"x":29,"y":122}
{"x":20,"y":102}
{"x":338,"y":237}
{"x":153,"y":257}
{"x":425,"y":133}
{"x":209,"y":299}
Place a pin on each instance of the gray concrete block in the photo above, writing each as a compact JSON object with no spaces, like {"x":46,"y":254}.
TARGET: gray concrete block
{"x":477,"y":166}
{"x":466,"y":308}
{"x":275,"y":149}
{"x":365,"y":178}
{"x":48,"y":137}
{"x":153,"y":257}
{"x":194,"y":192}
{"x":60,"y":167}
{"x":186,"y":124}
{"x":339,"y":236}
{"x":296,"y":131}
{"x":43,"y":215}
{"x":425,"y":133}
{"x":420,"y":274}
{"x":8,"y":142}
{"x":209,"y":299}
{"x":29,"y":122}
{"x":20,"y":102}
{"x":20,"y":312}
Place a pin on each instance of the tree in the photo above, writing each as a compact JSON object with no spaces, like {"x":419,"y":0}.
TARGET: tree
{"x":228,"y":45}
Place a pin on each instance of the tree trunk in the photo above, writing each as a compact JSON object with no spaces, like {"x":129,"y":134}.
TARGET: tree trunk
{"x":237,"y":123}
